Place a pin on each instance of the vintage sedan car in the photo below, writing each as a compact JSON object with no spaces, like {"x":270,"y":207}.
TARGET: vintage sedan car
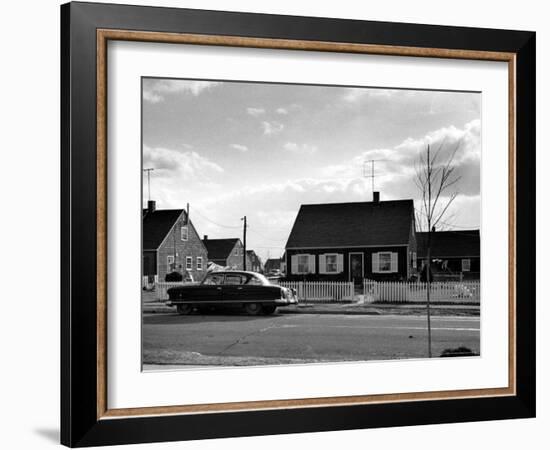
{"x":249,"y":290}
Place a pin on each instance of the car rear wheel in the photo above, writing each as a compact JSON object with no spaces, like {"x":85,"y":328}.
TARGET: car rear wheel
{"x":184,"y":309}
{"x":269,"y":309}
{"x":253,"y":309}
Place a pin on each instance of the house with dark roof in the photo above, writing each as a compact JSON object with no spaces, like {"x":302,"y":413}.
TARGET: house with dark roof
{"x":170,"y":243}
{"x":353,"y":241}
{"x":454,"y":254}
{"x":272,"y":265}
{"x":226,"y":252}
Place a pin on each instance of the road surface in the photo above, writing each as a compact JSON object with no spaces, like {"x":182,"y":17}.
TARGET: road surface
{"x":173,"y":340}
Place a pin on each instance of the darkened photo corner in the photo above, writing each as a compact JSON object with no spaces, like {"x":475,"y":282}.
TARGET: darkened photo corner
{"x":300,"y":224}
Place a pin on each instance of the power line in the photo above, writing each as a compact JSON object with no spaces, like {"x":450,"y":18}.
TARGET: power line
{"x":215,"y":223}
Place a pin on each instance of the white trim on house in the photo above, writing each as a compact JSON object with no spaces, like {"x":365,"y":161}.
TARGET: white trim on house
{"x":199,"y":262}
{"x":339,"y":266}
{"x":188,"y":263}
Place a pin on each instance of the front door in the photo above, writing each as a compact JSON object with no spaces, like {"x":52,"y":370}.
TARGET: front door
{"x":356,"y":271}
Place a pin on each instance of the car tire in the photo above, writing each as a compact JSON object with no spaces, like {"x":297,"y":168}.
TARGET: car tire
{"x":253,"y":309}
{"x":184,"y":309}
{"x":269,"y":309}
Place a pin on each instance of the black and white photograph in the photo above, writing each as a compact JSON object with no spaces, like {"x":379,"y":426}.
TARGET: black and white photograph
{"x":300,"y":224}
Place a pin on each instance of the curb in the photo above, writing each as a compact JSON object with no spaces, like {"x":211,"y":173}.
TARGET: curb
{"x":363,"y":311}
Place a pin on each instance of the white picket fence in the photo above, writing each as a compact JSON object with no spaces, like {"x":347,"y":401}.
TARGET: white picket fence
{"x":321,"y":291}
{"x":373,"y":291}
{"x":415,"y":292}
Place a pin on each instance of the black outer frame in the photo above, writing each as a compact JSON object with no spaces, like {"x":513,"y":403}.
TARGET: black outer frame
{"x":79,"y":424}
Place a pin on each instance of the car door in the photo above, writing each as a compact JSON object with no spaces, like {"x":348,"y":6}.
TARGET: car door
{"x":234,"y":288}
{"x":210,"y":291}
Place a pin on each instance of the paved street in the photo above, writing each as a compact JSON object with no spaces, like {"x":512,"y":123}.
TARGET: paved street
{"x":170,"y":339}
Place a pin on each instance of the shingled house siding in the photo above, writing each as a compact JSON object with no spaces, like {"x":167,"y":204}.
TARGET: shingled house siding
{"x":192,"y":247}
{"x":402,"y":261}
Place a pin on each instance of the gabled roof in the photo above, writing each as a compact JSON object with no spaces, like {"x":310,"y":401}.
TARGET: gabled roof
{"x":352,"y":224}
{"x":219,"y":248}
{"x":157,"y":224}
{"x":447,"y":244}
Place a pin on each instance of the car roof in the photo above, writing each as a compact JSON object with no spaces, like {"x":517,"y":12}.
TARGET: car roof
{"x":233,"y":272}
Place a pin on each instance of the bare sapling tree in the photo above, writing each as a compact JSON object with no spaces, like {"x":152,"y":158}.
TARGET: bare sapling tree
{"x":437,"y":182}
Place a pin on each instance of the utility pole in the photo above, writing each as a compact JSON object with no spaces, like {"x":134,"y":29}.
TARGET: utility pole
{"x":372,"y":175}
{"x":148,"y":181}
{"x":244,"y":242}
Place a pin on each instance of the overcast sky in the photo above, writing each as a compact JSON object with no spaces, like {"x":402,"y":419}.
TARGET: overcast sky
{"x":261,"y":150}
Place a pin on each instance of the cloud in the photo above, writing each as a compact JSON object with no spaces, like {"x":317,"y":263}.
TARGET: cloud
{"x":187,"y":164}
{"x":270,"y":128}
{"x":156,"y":91}
{"x":282,"y":111}
{"x":395,"y":168}
{"x":239,"y":147}
{"x":255,"y":112}
{"x":300,"y":148}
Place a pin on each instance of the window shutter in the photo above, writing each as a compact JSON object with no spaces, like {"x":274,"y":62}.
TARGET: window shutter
{"x":323,"y":263}
{"x":340,"y":263}
{"x":311,"y":265}
{"x":394,"y":262}
{"x":294,"y":264}
{"x":375,"y":263}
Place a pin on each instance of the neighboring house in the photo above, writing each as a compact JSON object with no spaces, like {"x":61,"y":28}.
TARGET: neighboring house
{"x":272,"y":265}
{"x":353,"y":241}
{"x":226,"y":252}
{"x":254,"y":263}
{"x":454,"y":254}
{"x":170,"y":243}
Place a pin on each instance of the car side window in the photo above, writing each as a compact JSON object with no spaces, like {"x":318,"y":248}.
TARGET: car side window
{"x":213,"y":279}
{"x":234,"y":279}
{"x":254,"y":281}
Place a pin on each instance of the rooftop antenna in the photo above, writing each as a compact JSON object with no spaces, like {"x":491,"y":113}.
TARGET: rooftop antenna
{"x":366,"y":171}
{"x":148,"y":181}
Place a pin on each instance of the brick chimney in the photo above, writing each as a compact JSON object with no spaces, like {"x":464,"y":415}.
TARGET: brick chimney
{"x":151,"y":206}
{"x":205,"y":238}
{"x":376,"y":197}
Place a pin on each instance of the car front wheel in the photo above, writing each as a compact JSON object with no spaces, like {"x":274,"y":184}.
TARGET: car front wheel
{"x":269,"y":309}
{"x":184,"y":309}
{"x":253,"y":309}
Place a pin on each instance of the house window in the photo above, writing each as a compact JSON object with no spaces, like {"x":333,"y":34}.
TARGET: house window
{"x":189,"y":263}
{"x":465,"y":265}
{"x":170,"y":263}
{"x":384,"y":262}
{"x":184,"y":233}
{"x":303,"y":263}
{"x":331,"y":262}
{"x":414,"y":260}
{"x":199,"y":262}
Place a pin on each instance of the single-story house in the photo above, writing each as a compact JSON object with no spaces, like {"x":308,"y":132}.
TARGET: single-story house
{"x":353,"y":241}
{"x":170,"y":243}
{"x":226,"y":252}
{"x":454,"y":254}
